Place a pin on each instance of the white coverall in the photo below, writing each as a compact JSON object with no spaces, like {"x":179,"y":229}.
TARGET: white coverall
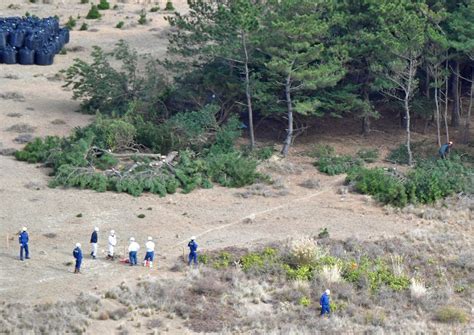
{"x":112,"y":244}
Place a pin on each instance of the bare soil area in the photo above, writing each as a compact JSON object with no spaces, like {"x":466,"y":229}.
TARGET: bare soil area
{"x":218,"y":217}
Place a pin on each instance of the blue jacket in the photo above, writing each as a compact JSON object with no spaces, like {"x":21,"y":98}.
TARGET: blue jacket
{"x":77,"y":253}
{"x":94,"y":237}
{"x":23,"y":238}
{"x":444,"y":149}
{"x":193,"y":246}
{"x":324,"y":301}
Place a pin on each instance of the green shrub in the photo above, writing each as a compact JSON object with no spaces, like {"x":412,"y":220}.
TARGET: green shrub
{"x":27,"y":14}
{"x":368,"y":155}
{"x":232,"y":169}
{"x":115,"y":7}
{"x":84,"y":27}
{"x":120,"y":25}
{"x":450,"y":314}
{"x":251,"y":260}
{"x":105,"y":162}
{"x":141,"y":216}
{"x":84,"y":1}
{"x":103,"y":5}
{"x":203,"y":258}
{"x":63,"y":51}
{"x":436,"y":179}
{"x":382,"y":186}
{"x":333,"y":165}
{"x":71,"y":23}
{"x":304,"y":272}
{"x":155,"y":9}
{"x":169,"y":6}
{"x":223,"y":261}
{"x":305,"y":301}
{"x":264,"y":153}
{"x":142,"y":19}
{"x":93,"y":13}
{"x":321,"y":150}
{"x":39,"y":150}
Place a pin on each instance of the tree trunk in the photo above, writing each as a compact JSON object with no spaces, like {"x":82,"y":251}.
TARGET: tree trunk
{"x":366,"y":125}
{"x":446,"y":102}
{"x":289,"y":107}
{"x":366,"y":118}
{"x":438,"y":131}
{"x":427,"y":84}
{"x":467,"y":125}
{"x":455,"y":114}
{"x":411,"y":75}
{"x":247,"y":92}
{"x":407,"y":115}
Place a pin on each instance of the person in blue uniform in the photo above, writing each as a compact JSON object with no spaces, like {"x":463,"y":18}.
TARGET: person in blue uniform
{"x":325,"y":303}
{"x":77,"y":253}
{"x":193,"y":256}
{"x":444,"y":150}
{"x":23,"y":239}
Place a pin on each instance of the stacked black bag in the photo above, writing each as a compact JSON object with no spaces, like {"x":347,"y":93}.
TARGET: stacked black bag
{"x":31,"y":40}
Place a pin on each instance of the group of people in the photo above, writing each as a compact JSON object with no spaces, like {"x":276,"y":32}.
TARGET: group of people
{"x":133,"y":249}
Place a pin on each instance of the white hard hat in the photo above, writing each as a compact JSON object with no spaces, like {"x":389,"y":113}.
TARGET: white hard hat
{"x":78,"y":245}
{"x":96,"y":228}
{"x":112,"y":232}
{"x":193,"y":238}
{"x":328,"y":292}
{"x":24,"y":229}
{"x":132,"y":239}
{"x":150,"y":238}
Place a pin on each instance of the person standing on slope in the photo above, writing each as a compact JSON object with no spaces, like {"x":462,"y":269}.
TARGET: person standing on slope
{"x":193,"y":246}
{"x":150,"y":252}
{"x":112,"y":243}
{"x":132,"y":251}
{"x":77,"y":253}
{"x":23,"y":239}
{"x":94,"y":241}
{"x":325,"y":303}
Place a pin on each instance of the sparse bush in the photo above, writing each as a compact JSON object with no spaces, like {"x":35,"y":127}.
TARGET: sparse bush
{"x":142,"y":19}
{"x":305,"y":301}
{"x":450,"y":314}
{"x":84,"y":1}
{"x":324,"y":233}
{"x":155,"y":9}
{"x":333,"y":165}
{"x":71,"y":23}
{"x":169,"y":6}
{"x":120,"y":25}
{"x":103,"y":5}
{"x":322,"y":150}
{"x":303,"y":272}
{"x":93,"y":13}
{"x":84,"y":26}
{"x":141,"y":216}
{"x":368,"y":155}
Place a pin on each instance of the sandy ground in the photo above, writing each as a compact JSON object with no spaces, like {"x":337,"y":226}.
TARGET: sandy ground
{"x":216,"y":216}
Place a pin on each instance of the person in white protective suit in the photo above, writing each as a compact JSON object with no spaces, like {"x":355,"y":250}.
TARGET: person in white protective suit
{"x":112,"y":244}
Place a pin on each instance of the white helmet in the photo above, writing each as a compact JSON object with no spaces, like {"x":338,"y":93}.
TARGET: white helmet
{"x":150,"y":238}
{"x":96,"y":229}
{"x":193,"y":238}
{"x":78,"y":245}
{"x":132,"y":239}
{"x":24,"y":229}
{"x":112,"y":232}
{"x":328,"y":292}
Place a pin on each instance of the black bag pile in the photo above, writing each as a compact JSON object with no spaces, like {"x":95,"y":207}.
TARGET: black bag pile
{"x":31,"y":40}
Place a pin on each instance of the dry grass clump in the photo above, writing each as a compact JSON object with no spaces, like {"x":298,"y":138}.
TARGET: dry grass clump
{"x":305,"y":251}
{"x":417,"y":289}
{"x":331,"y":273}
{"x":451,"y":314}
{"x":57,"y":318}
{"x":313,"y":184}
{"x":277,"y":189}
{"x":21,"y":128}
{"x":15,"y":96}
